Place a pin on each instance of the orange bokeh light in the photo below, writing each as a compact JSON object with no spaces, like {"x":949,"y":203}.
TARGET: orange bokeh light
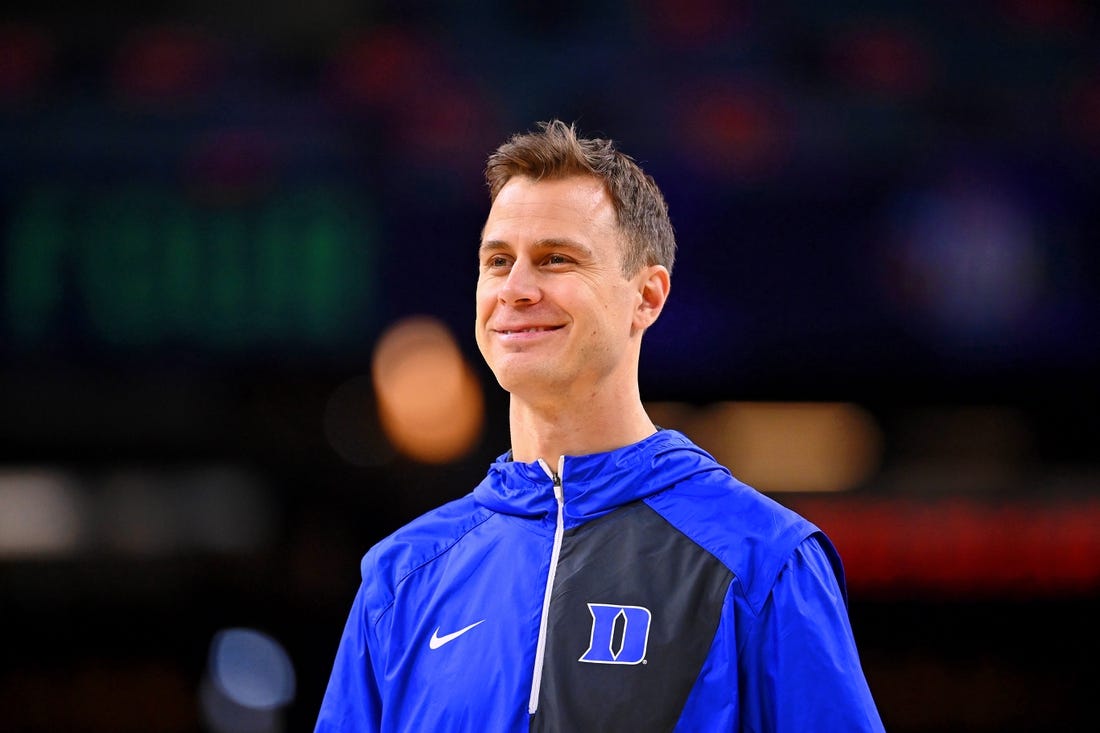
{"x":429,"y":401}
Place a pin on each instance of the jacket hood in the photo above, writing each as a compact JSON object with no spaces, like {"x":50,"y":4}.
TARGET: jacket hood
{"x":593,"y":484}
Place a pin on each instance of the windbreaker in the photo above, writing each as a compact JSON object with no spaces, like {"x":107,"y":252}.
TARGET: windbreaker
{"x":642,"y":589}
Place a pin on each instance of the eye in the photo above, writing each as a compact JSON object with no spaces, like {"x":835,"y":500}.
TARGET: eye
{"x":496,"y":261}
{"x":557,"y":259}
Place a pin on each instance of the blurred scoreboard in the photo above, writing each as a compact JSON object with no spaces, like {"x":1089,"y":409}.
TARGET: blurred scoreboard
{"x":155,"y":267}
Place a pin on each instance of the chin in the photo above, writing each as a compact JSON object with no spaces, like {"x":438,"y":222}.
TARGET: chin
{"x":511,"y":380}
{"x":519,"y":378}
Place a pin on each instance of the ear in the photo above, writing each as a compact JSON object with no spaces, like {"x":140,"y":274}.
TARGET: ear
{"x":653,"y":286}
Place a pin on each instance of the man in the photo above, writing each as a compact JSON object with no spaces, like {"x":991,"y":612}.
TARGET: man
{"x":606,"y":575}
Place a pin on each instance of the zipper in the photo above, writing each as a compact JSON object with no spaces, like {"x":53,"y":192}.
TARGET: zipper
{"x":559,"y":532}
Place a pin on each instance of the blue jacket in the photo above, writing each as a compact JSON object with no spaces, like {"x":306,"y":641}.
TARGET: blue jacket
{"x":643,"y":589}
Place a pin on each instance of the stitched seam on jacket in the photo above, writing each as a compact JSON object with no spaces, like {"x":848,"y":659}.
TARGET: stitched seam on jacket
{"x":803,"y":533}
{"x":397,"y":583}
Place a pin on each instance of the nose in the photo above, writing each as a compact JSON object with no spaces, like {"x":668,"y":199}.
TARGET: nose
{"x":521,"y":287}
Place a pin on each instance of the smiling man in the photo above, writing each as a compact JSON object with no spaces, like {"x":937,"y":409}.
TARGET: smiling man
{"x":559,"y":321}
{"x":606,"y":575}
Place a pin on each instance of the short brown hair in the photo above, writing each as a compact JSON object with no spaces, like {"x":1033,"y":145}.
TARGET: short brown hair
{"x":554,"y":151}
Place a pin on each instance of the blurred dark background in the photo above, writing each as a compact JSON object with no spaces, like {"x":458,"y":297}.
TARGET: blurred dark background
{"x":213,"y":213}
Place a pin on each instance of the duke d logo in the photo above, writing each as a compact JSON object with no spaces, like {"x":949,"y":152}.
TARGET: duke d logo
{"x":619,"y":634}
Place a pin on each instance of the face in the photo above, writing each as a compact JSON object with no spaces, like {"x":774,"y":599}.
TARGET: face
{"x":555,"y":314}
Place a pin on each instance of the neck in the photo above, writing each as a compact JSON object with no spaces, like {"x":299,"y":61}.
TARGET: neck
{"x":602,"y":422}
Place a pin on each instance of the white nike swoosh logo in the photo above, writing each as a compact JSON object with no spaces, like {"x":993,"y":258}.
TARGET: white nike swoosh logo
{"x":437,"y":641}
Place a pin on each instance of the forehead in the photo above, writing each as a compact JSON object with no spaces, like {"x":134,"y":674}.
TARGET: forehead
{"x":578,"y":206}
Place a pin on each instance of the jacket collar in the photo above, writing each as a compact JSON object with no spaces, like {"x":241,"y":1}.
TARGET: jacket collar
{"x":593,"y":484}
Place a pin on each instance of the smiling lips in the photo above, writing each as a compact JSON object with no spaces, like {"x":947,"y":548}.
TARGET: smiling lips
{"x":525,"y":329}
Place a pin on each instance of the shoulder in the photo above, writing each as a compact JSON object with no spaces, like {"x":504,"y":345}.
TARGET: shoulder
{"x":395,"y":558}
{"x":751,"y":534}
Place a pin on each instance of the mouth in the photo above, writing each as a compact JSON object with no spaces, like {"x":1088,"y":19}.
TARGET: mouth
{"x":531,"y":329}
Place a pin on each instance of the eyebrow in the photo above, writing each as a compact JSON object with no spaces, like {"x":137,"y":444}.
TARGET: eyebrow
{"x":496,"y":245}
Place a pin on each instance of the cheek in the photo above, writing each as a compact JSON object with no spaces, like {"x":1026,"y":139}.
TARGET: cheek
{"x":619,"y":310}
{"x":483,"y":302}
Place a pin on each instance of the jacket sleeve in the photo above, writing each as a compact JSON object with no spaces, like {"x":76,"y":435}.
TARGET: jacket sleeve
{"x":351,"y":702}
{"x":799,"y":669}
